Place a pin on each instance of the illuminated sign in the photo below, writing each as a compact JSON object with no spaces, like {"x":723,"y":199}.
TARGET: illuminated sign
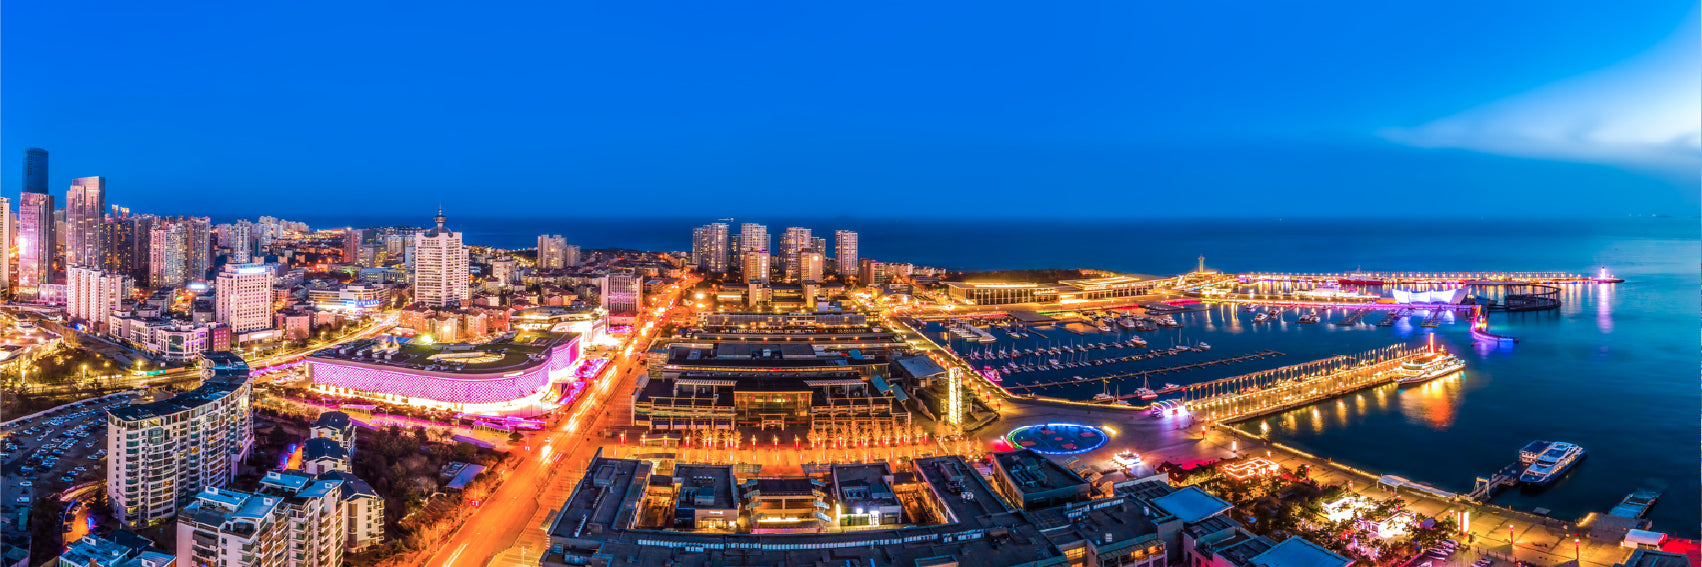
{"x":360,"y":303}
{"x":252,"y":270}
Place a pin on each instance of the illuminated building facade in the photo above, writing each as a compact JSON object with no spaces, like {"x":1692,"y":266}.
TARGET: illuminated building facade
{"x":161,"y":454}
{"x":36,"y":240}
{"x":497,"y":376}
{"x":243,"y":297}
{"x":92,"y":294}
{"x":845,"y":253}
{"x":440,"y":266}
{"x":711,"y":248}
{"x":85,"y":212}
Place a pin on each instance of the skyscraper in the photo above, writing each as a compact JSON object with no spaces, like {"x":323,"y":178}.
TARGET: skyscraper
{"x":35,"y":170}
{"x":552,"y":252}
{"x":8,"y":225}
{"x":752,"y":237}
{"x":85,"y":211}
{"x":118,"y":246}
{"x":167,"y":261}
{"x":845,"y":253}
{"x":440,"y":266}
{"x":243,"y":297}
{"x":710,"y":247}
{"x":793,"y":241}
{"x":198,"y":247}
{"x":36,"y":242}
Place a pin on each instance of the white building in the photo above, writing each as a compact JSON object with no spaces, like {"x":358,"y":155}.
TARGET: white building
{"x":555,"y":253}
{"x":350,"y":297}
{"x":294,"y":520}
{"x":92,"y":294}
{"x":363,"y":511}
{"x":845,"y":253}
{"x":440,"y":266}
{"x":752,"y":237}
{"x":505,"y":270}
{"x":756,"y":268}
{"x":160,"y":454}
{"x":810,"y":263}
{"x":243,"y":297}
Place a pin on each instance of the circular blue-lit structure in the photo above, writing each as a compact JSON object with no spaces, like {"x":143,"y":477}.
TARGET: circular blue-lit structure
{"x":1057,"y":438}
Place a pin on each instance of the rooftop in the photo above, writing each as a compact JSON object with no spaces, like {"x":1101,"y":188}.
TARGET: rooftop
{"x":211,"y":390}
{"x":1033,"y":472}
{"x":1192,"y":504}
{"x":332,"y":420}
{"x":523,"y":350}
{"x":324,"y":448}
{"x":1299,"y":552}
{"x":706,"y":486}
{"x":981,"y":529}
{"x":863,"y":485}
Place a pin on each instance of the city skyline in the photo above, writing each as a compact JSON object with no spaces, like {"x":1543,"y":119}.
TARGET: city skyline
{"x":1119,"y":112}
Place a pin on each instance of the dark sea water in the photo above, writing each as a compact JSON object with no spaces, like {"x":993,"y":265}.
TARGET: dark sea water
{"x":1615,"y":370}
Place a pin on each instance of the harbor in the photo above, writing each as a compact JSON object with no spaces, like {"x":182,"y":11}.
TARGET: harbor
{"x":1234,"y":328}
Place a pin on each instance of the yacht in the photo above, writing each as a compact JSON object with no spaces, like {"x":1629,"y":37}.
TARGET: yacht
{"x":1310,"y":317}
{"x":1103,"y":398}
{"x":1261,"y":317}
{"x":1552,"y":463}
{"x":1249,"y":307}
{"x":1429,"y":367}
{"x":1201,"y":346}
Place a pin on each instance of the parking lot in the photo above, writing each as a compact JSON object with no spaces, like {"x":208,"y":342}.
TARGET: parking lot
{"x":51,"y":452}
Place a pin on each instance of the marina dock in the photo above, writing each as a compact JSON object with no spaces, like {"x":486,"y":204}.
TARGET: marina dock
{"x":1146,"y":373}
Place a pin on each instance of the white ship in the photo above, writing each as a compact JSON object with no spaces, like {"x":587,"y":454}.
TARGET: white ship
{"x":1552,"y":463}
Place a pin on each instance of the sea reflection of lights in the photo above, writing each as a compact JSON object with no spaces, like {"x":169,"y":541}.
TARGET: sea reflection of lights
{"x":1604,"y":309}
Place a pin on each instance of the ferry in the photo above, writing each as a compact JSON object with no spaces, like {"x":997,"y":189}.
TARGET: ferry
{"x":1429,"y":367}
{"x":1530,"y":453}
{"x":1552,"y":463}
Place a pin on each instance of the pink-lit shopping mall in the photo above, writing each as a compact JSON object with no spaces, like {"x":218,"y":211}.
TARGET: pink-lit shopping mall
{"x":528,"y":373}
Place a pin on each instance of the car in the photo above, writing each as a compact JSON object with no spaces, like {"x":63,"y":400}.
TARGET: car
{"x":25,"y":483}
{"x":67,"y":478}
{"x":81,"y":468}
{"x":27,"y":469}
{"x":24,"y":499}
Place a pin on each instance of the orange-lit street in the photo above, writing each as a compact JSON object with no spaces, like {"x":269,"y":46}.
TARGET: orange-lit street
{"x":507,"y":527}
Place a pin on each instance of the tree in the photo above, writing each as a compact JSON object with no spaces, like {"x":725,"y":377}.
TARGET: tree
{"x":515,"y":437}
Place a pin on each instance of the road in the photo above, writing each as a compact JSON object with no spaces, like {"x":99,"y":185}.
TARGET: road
{"x":551,"y":462}
{"x":191,"y":374}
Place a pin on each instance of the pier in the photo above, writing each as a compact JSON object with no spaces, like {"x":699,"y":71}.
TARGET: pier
{"x":1270,"y":391}
{"x":1147,"y":374}
{"x":1486,"y":488}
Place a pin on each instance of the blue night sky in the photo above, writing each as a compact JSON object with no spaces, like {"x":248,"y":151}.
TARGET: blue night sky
{"x":1539,"y":108}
